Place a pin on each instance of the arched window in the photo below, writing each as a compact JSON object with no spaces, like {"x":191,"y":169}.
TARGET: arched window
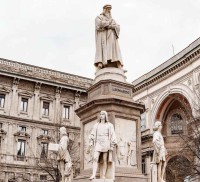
{"x":176,"y":124}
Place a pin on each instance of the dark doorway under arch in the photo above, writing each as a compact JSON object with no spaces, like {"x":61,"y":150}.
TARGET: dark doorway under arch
{"x":178,"y":167}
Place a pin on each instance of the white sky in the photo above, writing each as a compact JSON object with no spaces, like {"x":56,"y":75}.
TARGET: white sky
{"x":59,"y":34}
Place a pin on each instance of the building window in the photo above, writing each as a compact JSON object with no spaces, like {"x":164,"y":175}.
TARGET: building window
{"x":44,"y":132}
{"x":2,"y":100}
{"x":22,"y":128}
{"x":45,"y":110}
{"x":43,"y":177}
{"x":176,"y":124}
{"x":44,"y":149}
{"x":21,"y":148}
{"x":66,"y":112}
{"x":143,"y":166}
{"x":24,"y":105}
{"x":1,"y":125}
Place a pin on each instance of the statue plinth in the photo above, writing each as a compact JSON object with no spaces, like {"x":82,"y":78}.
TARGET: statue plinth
{"x":110,"y":73}
{"x":115,"y":97}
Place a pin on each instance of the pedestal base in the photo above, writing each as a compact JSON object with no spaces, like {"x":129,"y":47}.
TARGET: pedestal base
{"x":110,"y":73}
{"x":132,"y":178}
{"x":102,"y":180}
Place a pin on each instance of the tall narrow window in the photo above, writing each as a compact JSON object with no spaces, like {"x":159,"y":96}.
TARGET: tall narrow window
{"x":21,"y":148}
{"x":66,"y":112}
{"x":22,"y":128}
{"x":24,"y":105}
{"x":176,"y":124}
{"x":2,"y":100}
{"x":143,"y":166}
{"x":44,"y":149}
{"x":45,"y":110}
{"x":1,"y":125}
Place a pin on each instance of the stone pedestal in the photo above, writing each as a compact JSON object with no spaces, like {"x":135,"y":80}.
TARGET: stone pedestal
{"x":110,"y":73}
{"x":154,"y":177}
{"x":115,"y":97}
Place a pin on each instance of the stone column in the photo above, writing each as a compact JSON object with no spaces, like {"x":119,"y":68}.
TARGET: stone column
{"x":36,"y":107}
{"x":14,"y":100}
{"x":57,"y":111}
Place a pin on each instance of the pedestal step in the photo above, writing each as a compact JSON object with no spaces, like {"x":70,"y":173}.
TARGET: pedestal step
{"x":102,"y":180}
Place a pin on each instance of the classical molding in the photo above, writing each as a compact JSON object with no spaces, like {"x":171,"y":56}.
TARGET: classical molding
{"x":37,"y":73}
{"x":44,"y":138}
{"x":47,"y":98}
{"x":4,"y":89}
{"x":21,"y":135}
{"x":25,"y":94}
{"x":67,"y":101}
{"x":164,"y":71}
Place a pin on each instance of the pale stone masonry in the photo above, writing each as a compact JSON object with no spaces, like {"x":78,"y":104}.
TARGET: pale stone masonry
{"x":35,"y":102}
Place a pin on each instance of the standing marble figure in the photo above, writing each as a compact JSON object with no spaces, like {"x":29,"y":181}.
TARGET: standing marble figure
{"x":108,"y":53}
{"x":159,"y":151}
{"x":102,"y":139}
{"x":63,"y":158}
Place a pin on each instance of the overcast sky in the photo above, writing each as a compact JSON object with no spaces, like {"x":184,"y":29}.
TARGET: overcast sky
{"x":59,"y":34}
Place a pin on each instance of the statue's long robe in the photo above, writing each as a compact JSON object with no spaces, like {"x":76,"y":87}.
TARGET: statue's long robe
{"x":107,"y":47}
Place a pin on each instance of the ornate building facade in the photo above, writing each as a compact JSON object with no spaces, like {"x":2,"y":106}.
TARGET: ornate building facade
{"x":165,"y":91}
{"x":35,"y":102}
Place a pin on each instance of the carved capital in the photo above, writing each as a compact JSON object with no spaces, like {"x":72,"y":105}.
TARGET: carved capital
{"x":16,"y":82}
{"x":38,"y":86}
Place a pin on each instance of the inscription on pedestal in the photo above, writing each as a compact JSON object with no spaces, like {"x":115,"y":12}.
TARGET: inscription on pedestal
{"x":121,"y":91}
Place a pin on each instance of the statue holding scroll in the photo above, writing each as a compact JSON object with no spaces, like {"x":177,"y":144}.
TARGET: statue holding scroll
{"x":63,"y":158}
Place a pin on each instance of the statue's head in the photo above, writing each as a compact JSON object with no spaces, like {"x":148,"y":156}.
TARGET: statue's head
{"x":157,"y":125}
{"x":107,"y":9}
{"x":104,"y":116}
{"x":63,"y":131}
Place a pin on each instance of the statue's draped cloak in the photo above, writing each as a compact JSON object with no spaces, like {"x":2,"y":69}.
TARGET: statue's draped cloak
{"x":63,"y":153}
{"x":107,"y":47}
{"x":111,"y":136}
{"x":159,"y":148}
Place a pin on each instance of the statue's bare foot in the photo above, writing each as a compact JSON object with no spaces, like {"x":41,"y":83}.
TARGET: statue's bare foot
{"x":92,"y":177}
{"x":103,"y":177}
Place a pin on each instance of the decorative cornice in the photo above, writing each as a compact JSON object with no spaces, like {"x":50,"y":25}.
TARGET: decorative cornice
{"x":35,"y":72}
{"x":22,"y":134}
{"x":25,"y":94}
{"x":169,"y":68}
{"x":44,"y":138}
{"x":5,"y":89}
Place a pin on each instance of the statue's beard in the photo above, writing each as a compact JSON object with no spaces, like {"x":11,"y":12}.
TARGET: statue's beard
{"x":108,"y":15}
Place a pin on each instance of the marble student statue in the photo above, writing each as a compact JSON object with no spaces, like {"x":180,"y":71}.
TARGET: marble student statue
{"x":108,"y":53}
{"x":102,"y":139}
{"x":63,"y":158}
{"x":159,"y":151}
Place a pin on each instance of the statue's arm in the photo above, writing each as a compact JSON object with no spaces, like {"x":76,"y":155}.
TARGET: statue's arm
{"x":156,"y":142}
{"x":100,"y":23}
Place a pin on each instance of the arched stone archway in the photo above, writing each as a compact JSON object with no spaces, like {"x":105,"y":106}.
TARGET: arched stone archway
{"x":180,"y":89}
{"x":178,"y":167}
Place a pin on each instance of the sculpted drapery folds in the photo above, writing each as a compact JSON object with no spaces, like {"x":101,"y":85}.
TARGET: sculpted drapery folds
{"x":159,"y":156}
{"x":102,"y":140}
{"x":63,"y":158}
{"x":108,"y":53}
